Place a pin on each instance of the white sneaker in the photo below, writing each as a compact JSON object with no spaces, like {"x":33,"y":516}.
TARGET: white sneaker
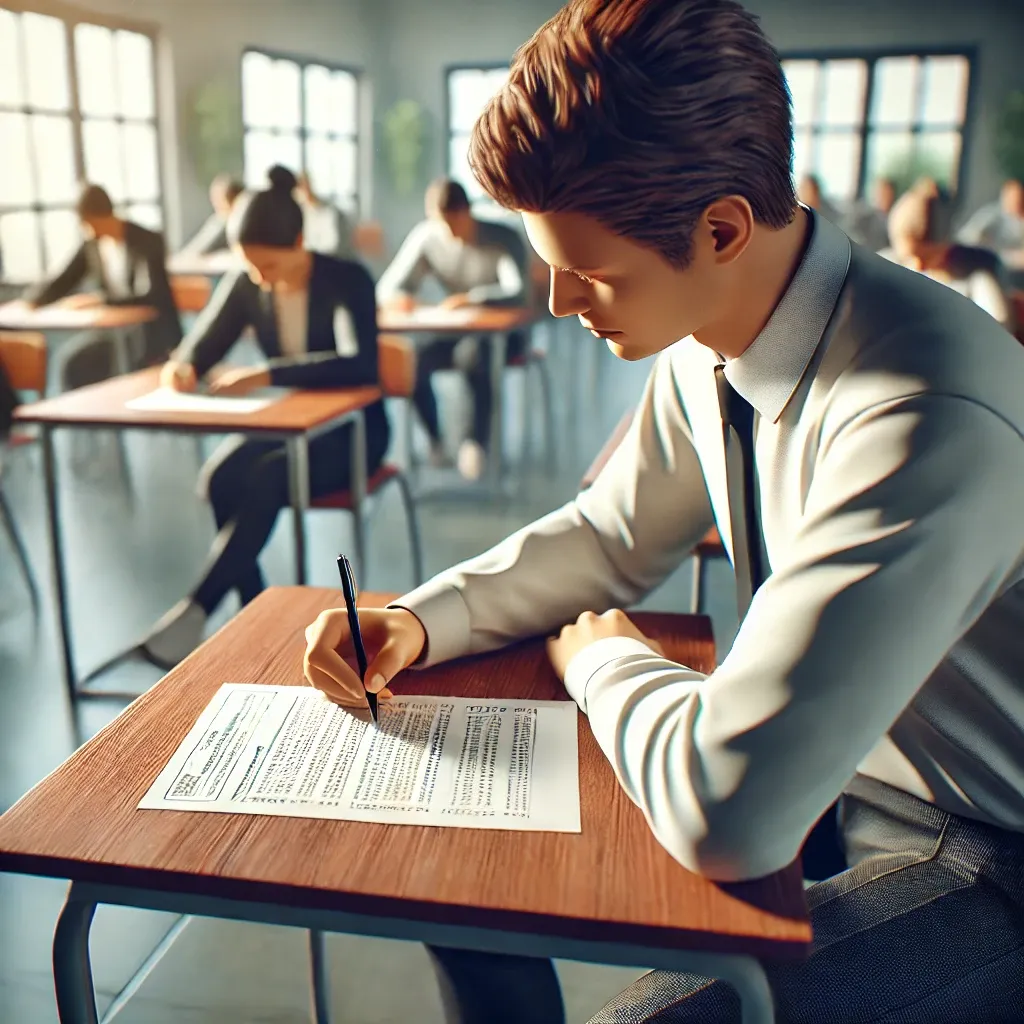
{"x":472,"y":460}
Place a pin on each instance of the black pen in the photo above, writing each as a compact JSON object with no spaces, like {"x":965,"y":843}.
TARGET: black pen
{"x":348,"y":588}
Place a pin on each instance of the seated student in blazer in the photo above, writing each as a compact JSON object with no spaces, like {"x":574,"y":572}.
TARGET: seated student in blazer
{"x":869,"y":488}
{"x":477,"y":262}
{"x":125,"y":263}
{"x":315,"y":319}
{"x":919,"y":231}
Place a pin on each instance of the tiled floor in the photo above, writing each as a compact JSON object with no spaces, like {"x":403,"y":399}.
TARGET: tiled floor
{"x":129,"y":557}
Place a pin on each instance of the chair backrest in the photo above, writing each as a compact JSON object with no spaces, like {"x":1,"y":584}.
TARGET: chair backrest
{"x":396,"y":358}
{"x":23,"y":355}
{"x":191,"y":292}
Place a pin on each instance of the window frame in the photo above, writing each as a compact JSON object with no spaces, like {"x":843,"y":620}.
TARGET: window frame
{"x":359,"y":76}
{"x":871,"y":56}
{"x":70,"y":18}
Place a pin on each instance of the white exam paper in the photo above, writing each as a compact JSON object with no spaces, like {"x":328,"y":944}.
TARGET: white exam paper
{"x":169,"y":400}
{"x":435,"y":315}
{"x":287,"y":750}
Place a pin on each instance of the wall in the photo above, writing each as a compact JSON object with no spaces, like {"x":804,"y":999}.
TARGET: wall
{"x":417,"y":39}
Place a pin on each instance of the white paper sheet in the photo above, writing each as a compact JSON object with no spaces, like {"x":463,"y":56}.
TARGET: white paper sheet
{"x":169,"y":400}
{"x":286,"y":750}
{"x":431,"y":316}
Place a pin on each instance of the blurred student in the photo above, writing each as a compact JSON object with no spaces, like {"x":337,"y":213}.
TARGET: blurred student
{"x":126,"y":264}
{"x":325,"y":229}
{"x":477,"y":263}
{"x":810,"y":193}
{"x":868,"y":223}
{"x":1000,"y":226}
{"x":919,"y":230}
{"x":315,"y":319}
{"x":212,"y":237}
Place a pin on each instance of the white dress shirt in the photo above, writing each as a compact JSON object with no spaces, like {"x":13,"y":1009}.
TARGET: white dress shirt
{"x":889,"y":637}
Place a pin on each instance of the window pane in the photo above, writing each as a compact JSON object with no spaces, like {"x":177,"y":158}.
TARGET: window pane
{"x":286,"y":97}
{"x":845,"y":82}
{"x":263,"y":150}
{"x":54,"y":158}
{"x":320,"y":164}
{"x":945,"y":90}
{"x":16,"y":187}
{"x":346,"y":103}
{"x":94,"y":56}
{"x":19,"y":247}
{"x":890,"y":155}
{"x":149,"y":215}
{"x":469,"y":89}
{"x":140,"y":148}
{"x":345,"y":174}
{"x":257,"y":89}
{"x":838,"y":164}
{"x":894,"y":100}
{"x":103,"y":163}
{"x":458,"y":164}
{"x":47,"y":59}
{"x":61,"y":236}
{"x":135,"y":74}
{"x":938,"y":156}
{"x":802,"y":77}
{"x":318,"y":98}
{"x":803,"y":153}
{"x":11,"y":92}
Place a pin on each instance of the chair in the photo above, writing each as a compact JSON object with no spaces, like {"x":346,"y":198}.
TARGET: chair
{"x":536,"y":359}
{"x":397,"y":361}
{"x":710,"y":545}
{"x":191,"y":292}
{"x":23,"y":357}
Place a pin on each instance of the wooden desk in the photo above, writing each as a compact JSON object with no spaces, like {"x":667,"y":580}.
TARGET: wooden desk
{"x":496,"y":321}
{"x":294,"y":420}
{"x":213,"y":264}
{"x":609,"y":894}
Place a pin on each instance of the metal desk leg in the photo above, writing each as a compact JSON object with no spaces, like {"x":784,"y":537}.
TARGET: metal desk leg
{"x":57,"y":560}
{"x":358,"y":485}
{"x":72,"y":971}
{"x":298,"y":488}
{"x":319,"y":979}
{"x":495,"y":468}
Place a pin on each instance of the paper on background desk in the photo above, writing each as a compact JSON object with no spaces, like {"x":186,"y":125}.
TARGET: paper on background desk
{"x":437,"y":315}
{"x":286,"y":750}
{"x":169,"y":400}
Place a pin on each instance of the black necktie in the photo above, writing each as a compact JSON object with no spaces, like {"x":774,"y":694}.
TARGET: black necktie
{"x":738,"y":431}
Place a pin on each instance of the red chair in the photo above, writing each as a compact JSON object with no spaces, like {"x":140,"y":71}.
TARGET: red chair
{"x":709,"y":547}
{"x":397,"y":361}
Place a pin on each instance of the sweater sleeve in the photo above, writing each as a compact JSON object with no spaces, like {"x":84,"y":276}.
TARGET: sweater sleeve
{"x":70,"y":277}
{"x":217,"y":327}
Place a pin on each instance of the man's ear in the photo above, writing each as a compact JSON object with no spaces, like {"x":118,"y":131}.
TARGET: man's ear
{"x":730,"y":222}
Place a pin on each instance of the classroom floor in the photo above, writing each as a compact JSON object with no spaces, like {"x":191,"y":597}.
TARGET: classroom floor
{"x":130,"y":556}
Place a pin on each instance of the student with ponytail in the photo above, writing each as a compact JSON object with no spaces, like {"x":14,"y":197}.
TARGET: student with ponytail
{"x":315,"y":320}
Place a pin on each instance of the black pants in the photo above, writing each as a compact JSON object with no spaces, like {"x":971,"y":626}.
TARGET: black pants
{"x":471,"y":356}
{"x":925,"y":927}
{"x":247,"y":484}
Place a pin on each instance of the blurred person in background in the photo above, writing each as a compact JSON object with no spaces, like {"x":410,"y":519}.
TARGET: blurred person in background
{"x":211,"y":237}
{"x":325,"y":228}
{"x":810,"y":193}
{"x":1000,"y":226}
{"x":868,"y":222}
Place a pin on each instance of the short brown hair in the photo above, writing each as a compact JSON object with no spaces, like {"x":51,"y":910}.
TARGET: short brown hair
{"x":446,"y":195}
{"x":921,"y":214}
{"x":93,"y":201}
{"x":640,"y":113}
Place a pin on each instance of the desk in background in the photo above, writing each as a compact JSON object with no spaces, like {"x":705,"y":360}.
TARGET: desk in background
{"x":609,"y":894}
{"x":214,"y":264}
{"x":294,"y":420}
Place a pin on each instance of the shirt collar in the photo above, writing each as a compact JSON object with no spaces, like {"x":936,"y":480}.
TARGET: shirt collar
{"x":768,"y":372}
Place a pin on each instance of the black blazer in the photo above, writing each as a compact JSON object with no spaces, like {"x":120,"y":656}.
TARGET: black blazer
{"x":147,"y":281}
{"x":238,"y":304}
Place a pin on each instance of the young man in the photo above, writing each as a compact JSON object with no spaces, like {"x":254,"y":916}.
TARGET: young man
{"x":325,"y":229}
{"x":212,"y":236}
{"x":477,"y":263}
{"x":126,"y":263}
{"x":875,"y":515}
{"x":868,"y":222}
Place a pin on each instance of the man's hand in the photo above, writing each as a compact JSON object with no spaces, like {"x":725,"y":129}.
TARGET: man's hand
{"x":178,"y":376}
{"x":401,"y":303}
{"x":457,"y":301}
{"x":240,"y":381}
{"x":587,"y":629}
{"x":394,"y":639}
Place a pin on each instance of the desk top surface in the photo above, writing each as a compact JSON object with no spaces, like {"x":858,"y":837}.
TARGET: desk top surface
{"x":610,"y":882}
{"x":468,"y":320}
{"x":104,"y":405}
{"x":16,"y":316}
{"x":212,"y":264}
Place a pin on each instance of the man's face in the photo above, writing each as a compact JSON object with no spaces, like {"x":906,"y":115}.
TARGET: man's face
{"x":1013,"y":199}
{"x":458,"y":222}
{"x":268,"y":265}
{"x":623,"y":292}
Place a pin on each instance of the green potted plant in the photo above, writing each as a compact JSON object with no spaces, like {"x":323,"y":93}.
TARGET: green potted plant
{"x":1010,"y":137}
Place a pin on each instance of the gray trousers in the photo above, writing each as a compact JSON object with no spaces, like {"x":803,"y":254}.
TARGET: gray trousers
{"x":925,"y":927}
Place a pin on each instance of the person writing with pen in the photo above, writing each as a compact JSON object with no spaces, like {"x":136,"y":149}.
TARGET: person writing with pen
{"x":315,"y":320}
{"x":856,"y":431}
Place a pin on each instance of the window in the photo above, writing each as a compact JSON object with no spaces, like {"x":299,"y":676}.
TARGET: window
{"x":305,"y":116}
{"x":469,"y":89}
{"x":76,"y":103}
{"x":857,"y":119}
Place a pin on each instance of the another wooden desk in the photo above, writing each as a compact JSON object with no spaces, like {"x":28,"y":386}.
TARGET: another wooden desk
{"x":496,"y":321}
{"x":295,"y":420}
{"x":610,"y":894}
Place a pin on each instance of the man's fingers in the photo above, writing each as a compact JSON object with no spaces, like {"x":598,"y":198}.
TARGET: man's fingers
{"x":332,"y":689}
{"x":389,"y":661}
